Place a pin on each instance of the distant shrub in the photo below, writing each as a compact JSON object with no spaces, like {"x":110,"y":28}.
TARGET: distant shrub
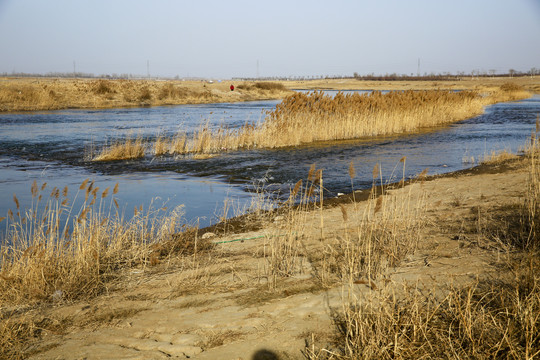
{"x":169,"y":91}
{"x":511,"y":87}
{"x":269,"y":86}
{"x":145,"y":94}
{"x":263,"y":85}
{"x":103,"y":87}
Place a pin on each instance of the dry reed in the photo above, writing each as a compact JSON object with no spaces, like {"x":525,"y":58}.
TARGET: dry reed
{"x":489,"y":319}
{"x":28,"y":94}
{"x":492,"y":318}
{"x":55,"y":251}
{"x":126,"y":150}
{"x":305,"y":118}
{"x":497,"y":157}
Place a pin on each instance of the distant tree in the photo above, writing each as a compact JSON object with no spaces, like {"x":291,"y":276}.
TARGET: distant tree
{"x":511,"y":72}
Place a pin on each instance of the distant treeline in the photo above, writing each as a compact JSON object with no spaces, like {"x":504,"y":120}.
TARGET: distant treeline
{"x":445,"y":76}
{"x":400,"y":77}
{"x":66,"y":75}
{"x":72,"y":75}
{"x":369,"y":77}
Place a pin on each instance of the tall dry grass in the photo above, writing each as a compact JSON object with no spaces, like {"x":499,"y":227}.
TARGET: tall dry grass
{"x":54,"y":251}
{"x":531,"y":217}
{"x":125,"y":150}
{"x":495,"y":317}
{"x":304,"y":118}
{"x":491,"y":319}
{"x":310,"y":117}
{"x":374,"y":237}
{"x":57,"y":251}
{"x":27,"y":94}
{"x":262,"y":85}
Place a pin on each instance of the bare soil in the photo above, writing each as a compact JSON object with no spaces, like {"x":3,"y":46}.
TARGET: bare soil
{"x":219,"y":305}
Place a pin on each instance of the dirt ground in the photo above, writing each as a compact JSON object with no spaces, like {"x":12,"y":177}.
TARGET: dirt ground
{"x":219,"y":305}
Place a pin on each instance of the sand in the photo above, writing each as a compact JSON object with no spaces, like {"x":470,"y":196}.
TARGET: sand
{"x":223,"y":309}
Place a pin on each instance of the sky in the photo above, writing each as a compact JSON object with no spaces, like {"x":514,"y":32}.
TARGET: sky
{"x":235,"y":38}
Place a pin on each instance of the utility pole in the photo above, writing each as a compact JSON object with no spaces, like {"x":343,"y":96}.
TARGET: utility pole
{"x":148,"y":68}
{"x":257,"y":68}
{"x":74,"y":69}
{"x":418,"y":70}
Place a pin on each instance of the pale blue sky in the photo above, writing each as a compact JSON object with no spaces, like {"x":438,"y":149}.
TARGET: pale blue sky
{"x":225,"y":39}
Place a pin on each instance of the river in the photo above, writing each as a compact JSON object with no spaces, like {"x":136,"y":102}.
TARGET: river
{"x":54,"y":147}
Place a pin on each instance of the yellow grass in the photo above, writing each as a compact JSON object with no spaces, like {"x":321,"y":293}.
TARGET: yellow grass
{"x":492,"y":318}
{"x":463,"y":83}
{"x":497,"y":157}
{"x":126,"y":150}
{"x":56,"y":252}
{"x":495,"y":317}
{"x":532,"y":199}
{"x":31,"y":94}
{"x":310,"y":117}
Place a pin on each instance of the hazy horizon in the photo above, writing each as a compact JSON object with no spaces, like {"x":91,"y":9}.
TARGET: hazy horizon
{"x":215,"y":39}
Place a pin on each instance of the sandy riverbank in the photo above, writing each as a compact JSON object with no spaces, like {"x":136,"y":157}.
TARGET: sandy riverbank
{"x":229,"y":303}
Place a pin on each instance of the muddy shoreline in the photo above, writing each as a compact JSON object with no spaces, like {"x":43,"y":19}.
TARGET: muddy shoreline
{"x":250,"y":222}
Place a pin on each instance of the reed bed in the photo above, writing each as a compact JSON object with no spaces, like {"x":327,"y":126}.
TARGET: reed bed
{"x":126,"y":150}
{"x":531,"y":212}
{"x":53,"y":251}
{"x":491,"y":319}
{"x":373,"y":239}
{"x":495,"y":317}
{"x":263,"y":85}
{"x":304,"y":118}
{"x":496,"y":157}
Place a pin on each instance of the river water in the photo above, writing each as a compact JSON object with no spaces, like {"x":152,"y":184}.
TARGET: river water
{"x":54,"y":147}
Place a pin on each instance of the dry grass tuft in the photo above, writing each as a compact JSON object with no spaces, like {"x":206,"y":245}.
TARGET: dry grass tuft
{"x":497,"y":157}
{"x":126,"y":150}
{"x":489,"y":319}
{"x":145,"y":95}
{"x":102,"y":87}
{"x":263,"y":85}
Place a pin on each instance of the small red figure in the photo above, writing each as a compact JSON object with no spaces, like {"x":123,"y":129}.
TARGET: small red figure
{"x":232,"y":87}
